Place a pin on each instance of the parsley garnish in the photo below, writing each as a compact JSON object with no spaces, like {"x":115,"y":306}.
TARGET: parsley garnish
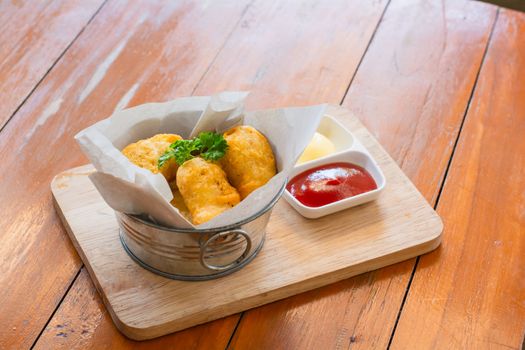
{"x":208,"y":145}
{"x":212,"y":145}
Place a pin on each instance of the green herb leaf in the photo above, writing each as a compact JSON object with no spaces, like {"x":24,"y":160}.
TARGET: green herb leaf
{"x":212,"y":145}
{"x":208,"y":145}
{"x":170,"y":153}
{"x":181,"y":150}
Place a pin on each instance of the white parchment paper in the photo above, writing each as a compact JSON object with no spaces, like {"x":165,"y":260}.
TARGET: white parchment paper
{"x":130,"y":189}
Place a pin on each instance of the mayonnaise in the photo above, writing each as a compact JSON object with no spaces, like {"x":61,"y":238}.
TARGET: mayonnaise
{"x":320,"y":146}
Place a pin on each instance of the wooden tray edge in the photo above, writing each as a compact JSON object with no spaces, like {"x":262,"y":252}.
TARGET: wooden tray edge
{"x":153,"y":331}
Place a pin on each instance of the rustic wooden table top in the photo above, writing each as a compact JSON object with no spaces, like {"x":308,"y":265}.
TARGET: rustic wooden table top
{"x":441,"y":84}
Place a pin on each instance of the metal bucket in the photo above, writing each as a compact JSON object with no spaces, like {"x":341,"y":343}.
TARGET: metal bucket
{"x":193,"y":254}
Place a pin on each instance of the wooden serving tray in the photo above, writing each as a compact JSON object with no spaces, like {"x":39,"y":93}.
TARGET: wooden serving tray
{"x":299,"y":254}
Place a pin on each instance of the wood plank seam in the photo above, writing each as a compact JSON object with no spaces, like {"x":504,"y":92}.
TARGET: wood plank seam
{"x":24,"y":100}
{"x":483,"y":217}
{"x":58,"y":305}
{"x":11,"y":117}
{"x":445,"y":174}
{"x":234,"y":28}
{"x":234,"y":331}
{"x":2,"y":127}
{"x":364,"y":53}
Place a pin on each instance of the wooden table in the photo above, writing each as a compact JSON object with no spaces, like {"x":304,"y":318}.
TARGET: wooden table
{"x":441,"y":84}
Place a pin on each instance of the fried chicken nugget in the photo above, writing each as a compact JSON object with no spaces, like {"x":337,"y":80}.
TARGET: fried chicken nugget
{"x":178,"y":201}
{"x":249,"y":161}
{"x":205,"y":189}
{"x":146,"y":153}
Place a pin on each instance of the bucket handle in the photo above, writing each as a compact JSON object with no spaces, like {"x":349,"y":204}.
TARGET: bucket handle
{"x":232,"y":264}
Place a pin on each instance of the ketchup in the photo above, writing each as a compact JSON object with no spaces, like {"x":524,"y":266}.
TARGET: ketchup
{"x":330,"y":183}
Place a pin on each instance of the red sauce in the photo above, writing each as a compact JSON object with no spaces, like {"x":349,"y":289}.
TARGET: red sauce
{"x":330,"y":183}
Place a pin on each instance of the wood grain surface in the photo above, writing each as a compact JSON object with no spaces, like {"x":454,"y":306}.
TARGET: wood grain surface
{"x":294,"y":53}
{"x":411,"y":91}
{"x":33,"y":35}
{"x":77,"y":332}
{"x":98,"y":74}
{"x":476,"y":295}
{"x":298,"y":255}
{"x":288,"y":18}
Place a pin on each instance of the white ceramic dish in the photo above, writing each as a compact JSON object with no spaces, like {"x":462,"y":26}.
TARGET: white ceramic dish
{"x":347,"y":149}
{"x":342,"y":139}
{"x":355,"y":157}
{"x":331,"y":128}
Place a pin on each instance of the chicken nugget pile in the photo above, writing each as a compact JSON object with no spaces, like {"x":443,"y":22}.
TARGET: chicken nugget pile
{"x":146,"y":153}
{"x":210,"y":174}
